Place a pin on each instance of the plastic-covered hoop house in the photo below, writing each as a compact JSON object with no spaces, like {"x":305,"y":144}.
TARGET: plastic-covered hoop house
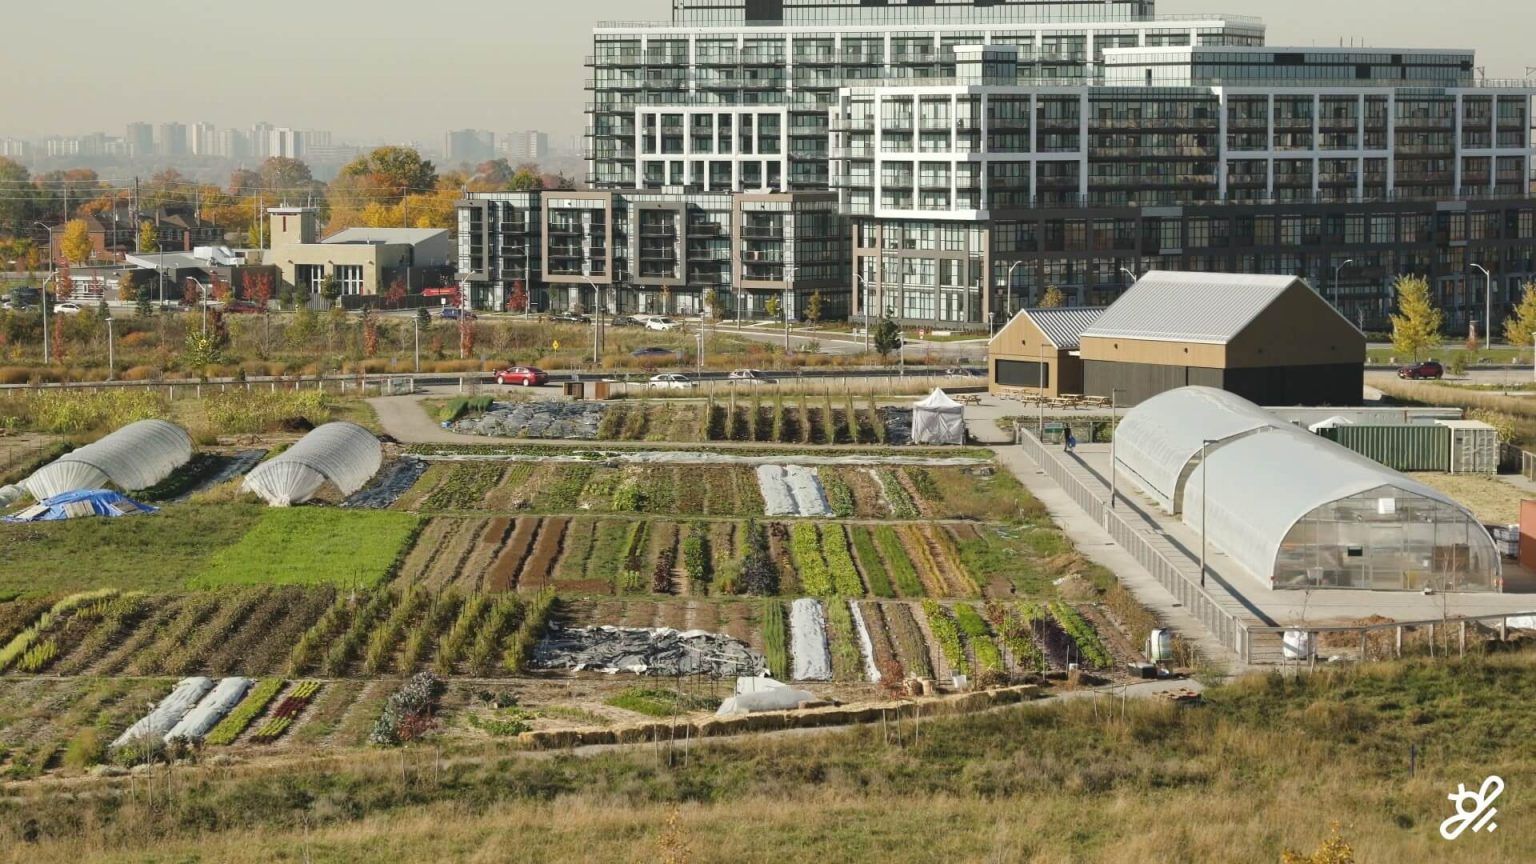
{"x":1294,"y":509}
{"x":136,"y":456}
{"x":343,"y":454}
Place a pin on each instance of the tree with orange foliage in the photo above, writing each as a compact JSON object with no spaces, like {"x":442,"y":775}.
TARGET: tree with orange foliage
{"x":222,"y":291}
{"x":518,"y":302}
{"x":257,"y":285}
{"x":396,"y":293}
{"x":370,"y":334}
{"x":466,"y":336}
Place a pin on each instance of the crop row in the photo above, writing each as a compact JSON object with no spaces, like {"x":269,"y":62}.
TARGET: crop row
{"x":237,"y":721}
{"x":286,"y":712}
{"x":1089,"y":646}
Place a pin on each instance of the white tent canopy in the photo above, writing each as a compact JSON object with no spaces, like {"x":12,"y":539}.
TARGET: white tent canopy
{"x":938,"y":419}
{"x":136,"y":456}
{"x":344,"y":454}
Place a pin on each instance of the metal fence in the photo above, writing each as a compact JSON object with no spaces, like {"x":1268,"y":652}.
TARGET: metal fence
{"x":1169,"y":572}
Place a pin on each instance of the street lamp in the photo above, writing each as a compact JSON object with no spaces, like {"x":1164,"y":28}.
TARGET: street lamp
{"x":1131,"y":273}
{"x":1488,"y":308}
{"x":789,"y":293}
{"x":1008,"y":287}
{"x":111,"y":355}
{"x":1114,"y":465}
{"x":1336,"y":271}
{"x":864,"y":307}
{"x":52,"y":277}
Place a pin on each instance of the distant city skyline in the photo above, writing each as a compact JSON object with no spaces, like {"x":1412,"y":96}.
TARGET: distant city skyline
{"x":474,"y":64}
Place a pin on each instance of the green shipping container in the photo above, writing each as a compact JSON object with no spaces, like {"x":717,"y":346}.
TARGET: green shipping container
{"x":1401,"y":448}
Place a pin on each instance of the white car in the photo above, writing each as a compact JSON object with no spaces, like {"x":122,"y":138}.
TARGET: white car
{"x":66,"y":309}
{"x":662,"y":323}
{"x":670,"y":381}
{"x":749,"y":376}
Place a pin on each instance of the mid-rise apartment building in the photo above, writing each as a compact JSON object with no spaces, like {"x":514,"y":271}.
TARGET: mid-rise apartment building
{"x":948,"y":161}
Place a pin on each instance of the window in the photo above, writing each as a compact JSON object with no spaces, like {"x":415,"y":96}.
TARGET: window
{"x":350,"y":278}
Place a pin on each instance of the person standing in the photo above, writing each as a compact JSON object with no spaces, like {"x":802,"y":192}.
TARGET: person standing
{"x":1071,"y":441}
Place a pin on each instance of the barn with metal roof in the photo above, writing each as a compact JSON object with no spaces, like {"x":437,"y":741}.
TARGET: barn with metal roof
{"x":1269,"y":339}
{"x":1294,"y":509}
{"x":1037,"y":350}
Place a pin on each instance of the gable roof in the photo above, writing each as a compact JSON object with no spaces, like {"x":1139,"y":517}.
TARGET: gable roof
{"x":1171,"y":306}
{"x":1065,"y":325}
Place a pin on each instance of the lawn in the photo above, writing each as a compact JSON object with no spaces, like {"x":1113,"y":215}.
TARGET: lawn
{"x":312,"y":546}
{"x":1494,"y":501}
{"x":147,"y":553}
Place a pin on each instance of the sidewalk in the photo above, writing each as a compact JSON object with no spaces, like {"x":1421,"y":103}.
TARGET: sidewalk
{"x":1094,"y":542}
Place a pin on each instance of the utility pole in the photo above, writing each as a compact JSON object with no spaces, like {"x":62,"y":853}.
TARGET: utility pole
{"x":138,"y":242}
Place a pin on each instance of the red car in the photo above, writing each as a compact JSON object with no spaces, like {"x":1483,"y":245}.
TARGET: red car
{"x":527,"y":376}
{"x":1427,"y":369}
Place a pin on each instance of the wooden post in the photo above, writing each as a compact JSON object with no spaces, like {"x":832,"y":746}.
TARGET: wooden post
{"x":1462,"y":650}
{"x":1363,"y":635}
{"x":1431,"y":640}
{"x":1399,"y":629}
{"x":1503,"y":629}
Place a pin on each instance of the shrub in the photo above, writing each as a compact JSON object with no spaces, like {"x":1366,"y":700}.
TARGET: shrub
{"x":408,"y":713}
{"x":85,"y":749}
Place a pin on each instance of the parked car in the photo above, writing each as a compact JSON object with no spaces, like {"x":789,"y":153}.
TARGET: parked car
{"x":1427,"y":369}
{"x":454,"y":313}
{"x":671,"y":381}
{"x":570,"y":318}
{"x":625,"y":321}
{"x":241,"y":307}
{"x":661,"y":323}
{"x":750,"y":376}
{"x":526,"y":376}
{"x":66,"y":308}
{"x":652,"y":353}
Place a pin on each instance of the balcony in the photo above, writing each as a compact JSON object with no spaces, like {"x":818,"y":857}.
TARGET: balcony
{"x":897,"y":124}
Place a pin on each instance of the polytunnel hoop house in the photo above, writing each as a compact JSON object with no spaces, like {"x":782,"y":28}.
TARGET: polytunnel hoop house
{"x":343,"y":454}
{"x":1296,"y":510}
{"x":136,"y":456}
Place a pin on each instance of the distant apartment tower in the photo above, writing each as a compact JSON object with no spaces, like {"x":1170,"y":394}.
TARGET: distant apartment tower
{"x":261,"y":140}
{"x":232,"y":144}
{"x":531,"y":145}
{"x":172,"y":140}
{"x":14,"y":148}
{"x":468,"y":145}
{"x":203,"y":139}
{"x":285,"y":143}
{"x":140,"y":139}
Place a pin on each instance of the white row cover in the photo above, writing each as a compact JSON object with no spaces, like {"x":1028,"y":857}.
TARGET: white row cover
{"x":344,"y":454}
{"x":866,"y":645}
{"x":164,"y":716}
{"x":136,"y":456}
{"x":221,"y":700}
{"x":808,"y":641}
{"x":791,"y":490}
{"x":763,"y":694}
{"x":1159,"y":440}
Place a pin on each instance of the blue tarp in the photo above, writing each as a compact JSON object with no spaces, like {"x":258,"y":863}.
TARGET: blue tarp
{"x":84,"y":502}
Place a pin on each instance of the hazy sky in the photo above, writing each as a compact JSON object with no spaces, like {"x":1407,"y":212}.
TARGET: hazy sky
{"x":387,"y":70}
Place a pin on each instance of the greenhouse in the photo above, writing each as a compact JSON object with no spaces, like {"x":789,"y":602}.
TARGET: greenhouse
{"x":136,"y":456}
{"x":1296,"y":510}
{"x":343,"y":454}
{"x":1158,"y":442}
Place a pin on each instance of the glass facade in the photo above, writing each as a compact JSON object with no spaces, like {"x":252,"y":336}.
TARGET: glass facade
{"x":1053,"y":135}
{"x":1387,"y":539}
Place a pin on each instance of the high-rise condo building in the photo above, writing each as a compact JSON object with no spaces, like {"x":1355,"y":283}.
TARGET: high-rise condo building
{"x":947,"y":162}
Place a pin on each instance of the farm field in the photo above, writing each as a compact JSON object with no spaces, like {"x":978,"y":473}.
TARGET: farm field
{"x":812,"y":414}
{"x":863,"y":492}
{"x":579,"y":555}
